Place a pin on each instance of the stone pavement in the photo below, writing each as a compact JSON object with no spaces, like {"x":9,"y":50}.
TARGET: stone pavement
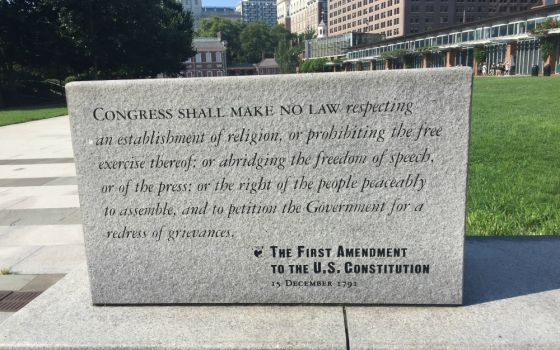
{"x":511,"y":292}
{"x":512,"y":301}
{"x":40,"y":233}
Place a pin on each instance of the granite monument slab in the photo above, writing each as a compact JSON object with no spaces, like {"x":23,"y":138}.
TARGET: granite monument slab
{"x":320,"y":188}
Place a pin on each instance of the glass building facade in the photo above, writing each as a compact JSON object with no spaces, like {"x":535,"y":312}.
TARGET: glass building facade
{"x":456,"y":44}
{"x":338,"y":45}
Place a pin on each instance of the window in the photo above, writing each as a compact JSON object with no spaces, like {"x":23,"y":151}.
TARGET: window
{"x":218,"y":57}
{"x":396,"y":31}
{"x":396,"y":21}
{"x":209,"y":73}
{"x":198,"y":58}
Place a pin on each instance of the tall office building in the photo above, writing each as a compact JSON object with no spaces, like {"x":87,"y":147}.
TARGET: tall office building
{"x":300,"y":16}
{"x":403,"y":17}
{"x":258,"y":10}
{"x":194,"y":7}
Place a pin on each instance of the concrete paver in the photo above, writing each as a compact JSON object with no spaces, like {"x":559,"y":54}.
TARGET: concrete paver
{"x":39,"y":181}
{"x":36,"y":161}
{"x":41,"y":235}
{"x":41,"y":283}
{"x":14,"y":282}
{"x":40,"y":230}
{"x":52,"y":260}
{"x":38,"y":202}
{"x":511,"y":297}
{"x":37,"y":170}
{"x":50,"y":191}
{"x":10,"y":256}
{"x":46,"y":216}
{"x":47,"y":138}
{"x":4,"y":316}
{"x":52,"y":321}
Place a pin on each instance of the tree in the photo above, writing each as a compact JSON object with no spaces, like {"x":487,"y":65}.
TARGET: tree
{"x":256,"y":42}
{"x":313,"y":65}
{"x":126,"y":39}
{"x":279,"y":33}
{"x":479,"y":54}
{"x":231,"y":30}
{"x":287,"y":56}
{"x":45,"y":39}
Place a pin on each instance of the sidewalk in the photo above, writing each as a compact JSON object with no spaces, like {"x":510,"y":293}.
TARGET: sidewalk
{"x":511,"y":285}
{"x":40,"y":233}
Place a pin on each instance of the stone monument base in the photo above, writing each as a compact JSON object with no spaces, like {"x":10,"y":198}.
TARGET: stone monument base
{"x":512,"y":301}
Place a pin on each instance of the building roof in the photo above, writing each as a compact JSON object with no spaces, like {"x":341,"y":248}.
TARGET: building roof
{"x":212,"y":44}
{"x":268,"y":63}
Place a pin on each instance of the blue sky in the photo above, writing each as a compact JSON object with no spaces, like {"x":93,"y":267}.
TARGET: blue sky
{"x":228,"y":3}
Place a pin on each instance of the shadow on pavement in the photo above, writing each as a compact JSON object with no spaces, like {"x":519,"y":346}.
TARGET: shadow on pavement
{"x":500,"y":268}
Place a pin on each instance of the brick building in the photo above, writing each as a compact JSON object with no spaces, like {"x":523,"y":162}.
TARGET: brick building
{"x":395,"y":18}
{"x":512,"y":39}
{"x":210,"y":59}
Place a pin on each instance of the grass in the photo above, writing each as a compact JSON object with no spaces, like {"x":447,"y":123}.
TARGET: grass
{"x":6,"y":271}
{"x":24,"y":114}
{"x":514,"y":165}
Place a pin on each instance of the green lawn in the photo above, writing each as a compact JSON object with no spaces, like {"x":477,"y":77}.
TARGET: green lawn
{"x":25,"y":114}
{"x":514,"y":165}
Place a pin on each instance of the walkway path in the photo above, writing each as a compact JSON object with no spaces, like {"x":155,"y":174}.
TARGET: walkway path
{"x":40,"y":233}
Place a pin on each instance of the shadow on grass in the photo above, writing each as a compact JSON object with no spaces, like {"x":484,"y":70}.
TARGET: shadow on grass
{"x":506,"y":267}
